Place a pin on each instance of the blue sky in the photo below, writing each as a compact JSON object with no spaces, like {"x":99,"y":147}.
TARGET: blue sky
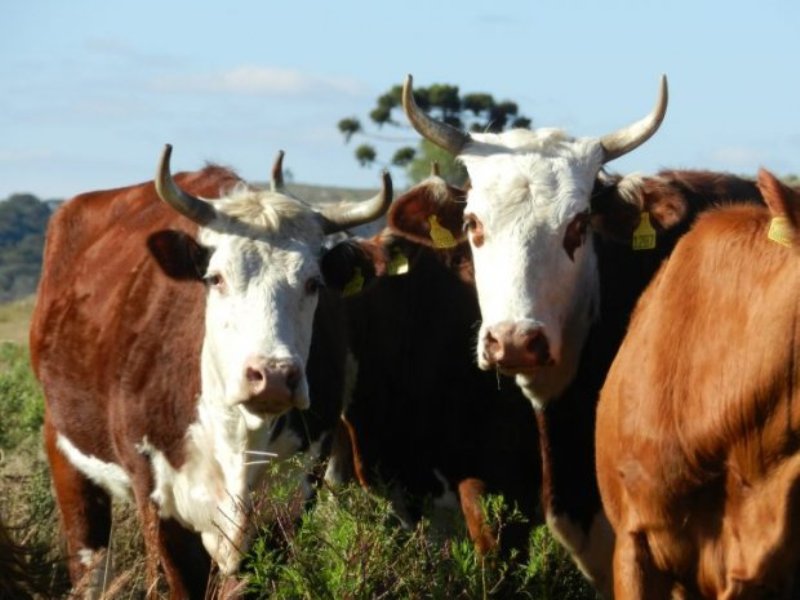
{"x":91,"y":90}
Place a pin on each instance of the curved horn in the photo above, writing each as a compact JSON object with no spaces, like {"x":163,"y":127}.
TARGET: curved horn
{"x":337,"y":218}
{"x":626,"y":139}
{"x":199,"y":211}
{"x":276,"y":183}
{"x":443,"y":135}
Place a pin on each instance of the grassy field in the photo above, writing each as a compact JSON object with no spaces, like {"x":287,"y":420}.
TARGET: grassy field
{"x":348,"y":546}
{"x":15,"y":319}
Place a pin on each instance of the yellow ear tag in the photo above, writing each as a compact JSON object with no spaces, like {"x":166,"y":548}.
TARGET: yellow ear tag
{"x":398,"y":265}
{"x":780,"y":231}
{"x":442,"y":238}
{"x":355,"y":284}
{"x":644,"y":237}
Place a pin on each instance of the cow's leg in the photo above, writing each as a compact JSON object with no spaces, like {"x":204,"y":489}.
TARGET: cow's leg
{"x":180,"y":553}
{"x":148,"y":517}
{"x":471,"y":492}
{"x":185,"y":558}
{"x":85,"y":511}
{"x":342,"y":460}
{"x":635,"y":575}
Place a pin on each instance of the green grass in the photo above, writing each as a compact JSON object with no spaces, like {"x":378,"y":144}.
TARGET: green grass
{"x":349,"y":545}
{"x":23,"y":407}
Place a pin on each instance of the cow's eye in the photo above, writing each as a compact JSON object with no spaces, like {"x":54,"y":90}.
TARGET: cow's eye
{"x":214,"y":280}
{"x":313,"y":284}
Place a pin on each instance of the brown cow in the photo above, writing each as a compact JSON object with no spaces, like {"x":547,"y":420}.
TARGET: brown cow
{"x":169,"y":337}
{"x":698,"y":426}
{"x":671,"y":200}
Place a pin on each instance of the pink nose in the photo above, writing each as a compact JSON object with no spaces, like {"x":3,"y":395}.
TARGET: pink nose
{"x":516,"y":347}
{"x":270,"y":384}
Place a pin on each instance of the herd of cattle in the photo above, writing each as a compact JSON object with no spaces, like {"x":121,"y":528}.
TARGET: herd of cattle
{"x":189,"y":329}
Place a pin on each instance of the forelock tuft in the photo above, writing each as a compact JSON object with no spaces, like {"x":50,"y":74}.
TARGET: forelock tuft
{"x":630,"y":189}
{"x":520,"y":140}
{"x":263,"y":208}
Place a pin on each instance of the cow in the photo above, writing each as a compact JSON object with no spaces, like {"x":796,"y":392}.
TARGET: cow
{"x":567,"y":250}
{"x":699,"y":419}
{"x":170,"y":334}
{"x":424,"y":420}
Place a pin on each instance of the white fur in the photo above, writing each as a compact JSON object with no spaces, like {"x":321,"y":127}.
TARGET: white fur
{"x":94,"y":582}
{"x":526,"y":188}
{"x":109,"y":476}
{"x":448,"y":498}
{"x":264,"y":309}
{"x":593,"y":553}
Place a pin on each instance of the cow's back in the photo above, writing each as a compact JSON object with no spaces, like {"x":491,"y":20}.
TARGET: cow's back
{"x":699,"y":418}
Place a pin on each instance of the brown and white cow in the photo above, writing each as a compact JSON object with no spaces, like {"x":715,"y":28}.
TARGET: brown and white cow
{"x":698,"y":425}
{"x":523,"y":176}
{"x":169,"y":337}
{"x":425,"y":421}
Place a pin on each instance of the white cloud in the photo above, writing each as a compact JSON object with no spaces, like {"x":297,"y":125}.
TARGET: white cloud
{"x":261,"y":81}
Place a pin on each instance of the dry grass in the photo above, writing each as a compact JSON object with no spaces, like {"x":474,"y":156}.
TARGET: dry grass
{"x":15,"y":320}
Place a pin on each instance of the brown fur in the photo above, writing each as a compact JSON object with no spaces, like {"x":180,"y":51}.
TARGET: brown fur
{"x":109,"y":373}
{"x":698,"y":426}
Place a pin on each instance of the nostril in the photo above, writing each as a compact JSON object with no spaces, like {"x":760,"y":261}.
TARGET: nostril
{"x":490,"y":343}
{"x":537,"y":346}
{"x":254,"y":376}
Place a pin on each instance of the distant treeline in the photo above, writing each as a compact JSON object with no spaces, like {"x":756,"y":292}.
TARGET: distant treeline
{"x":23,"y":220}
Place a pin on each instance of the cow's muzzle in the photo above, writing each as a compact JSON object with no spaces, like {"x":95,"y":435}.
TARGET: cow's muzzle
{"x":515,"y":348}
{"x":272,"y":385}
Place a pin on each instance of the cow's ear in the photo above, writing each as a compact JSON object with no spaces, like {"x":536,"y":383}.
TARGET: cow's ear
{"x":782,"y":200}
{"x":431,"y":214}
{"x":618,"y":204}
{"x":178,"y":254}
{"x":352,"y":264}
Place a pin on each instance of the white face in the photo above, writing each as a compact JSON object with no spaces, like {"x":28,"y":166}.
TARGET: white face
{"x":536,"y":301}
{"x":262,"y":294}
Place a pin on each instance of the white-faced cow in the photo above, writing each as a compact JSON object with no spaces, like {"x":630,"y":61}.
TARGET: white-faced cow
{"x":425,"y":421}
{"x":168,"y":338}
{"x":561,"y":253}
{"x":698,"y":425}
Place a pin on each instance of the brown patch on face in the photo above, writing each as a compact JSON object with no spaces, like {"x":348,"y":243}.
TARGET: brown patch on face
{"x":576,"y":233}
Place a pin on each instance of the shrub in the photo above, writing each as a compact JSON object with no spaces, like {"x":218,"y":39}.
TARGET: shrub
{"x":22,"y":401}
{"x":351,"y":545}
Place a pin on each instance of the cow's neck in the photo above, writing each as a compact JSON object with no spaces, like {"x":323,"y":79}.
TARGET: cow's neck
{"x":570,"y":493}
{"x":225,"y":459}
